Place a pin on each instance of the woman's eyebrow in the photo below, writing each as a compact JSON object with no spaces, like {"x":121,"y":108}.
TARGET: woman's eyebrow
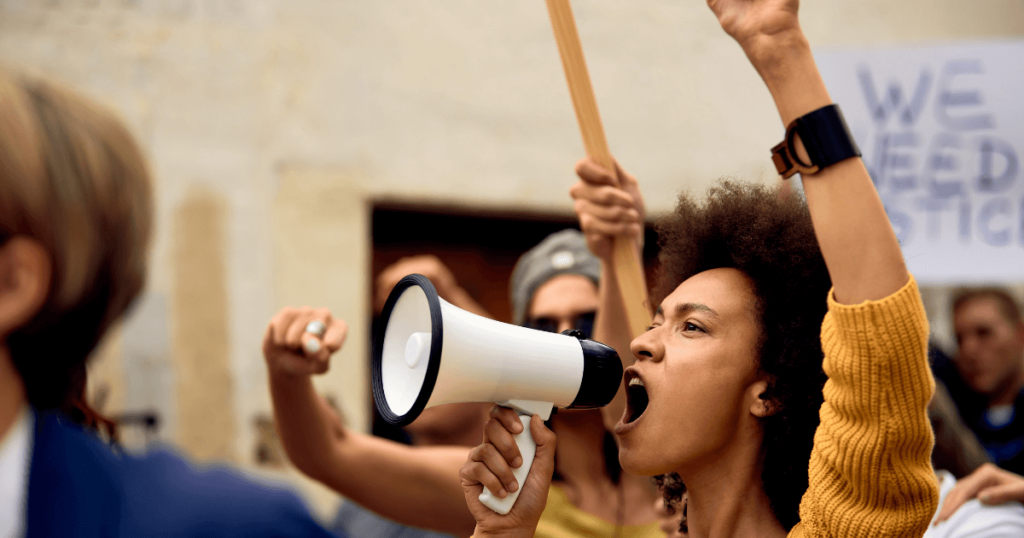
{"x":686,"y":308}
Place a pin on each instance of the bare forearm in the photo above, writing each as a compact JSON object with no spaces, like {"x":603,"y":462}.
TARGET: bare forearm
{"x":414,"y":486}
{"x":612,"y":328}
{"x":308,"y":429}
{"x":857,"y":241}
{"x":462,"y":299}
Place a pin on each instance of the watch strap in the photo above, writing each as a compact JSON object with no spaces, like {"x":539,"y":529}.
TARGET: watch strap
{"x":826,"y":138}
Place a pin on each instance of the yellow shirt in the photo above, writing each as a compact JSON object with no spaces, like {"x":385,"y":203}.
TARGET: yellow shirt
{"x":561,"y":519}
{"x":870,"y":469}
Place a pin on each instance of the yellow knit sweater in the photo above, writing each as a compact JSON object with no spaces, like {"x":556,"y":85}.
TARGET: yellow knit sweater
{"x":870,"y":469}
{"x":561,"y":519}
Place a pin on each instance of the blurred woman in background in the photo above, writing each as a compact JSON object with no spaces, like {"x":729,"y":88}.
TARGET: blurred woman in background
{"x":75,"y":221}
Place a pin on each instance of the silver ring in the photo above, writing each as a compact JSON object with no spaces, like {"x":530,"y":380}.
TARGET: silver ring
{"x":312,"y":346}
{"x":316,"y":328}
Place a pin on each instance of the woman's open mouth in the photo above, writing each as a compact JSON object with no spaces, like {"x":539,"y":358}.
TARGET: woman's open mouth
{"x":636,"y":397}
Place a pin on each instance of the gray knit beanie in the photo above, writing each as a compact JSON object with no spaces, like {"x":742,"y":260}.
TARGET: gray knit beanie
{"x":560,"y":253}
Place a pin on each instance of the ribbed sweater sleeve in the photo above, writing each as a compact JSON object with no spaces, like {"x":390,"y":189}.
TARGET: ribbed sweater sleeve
{"x":870,"y":469}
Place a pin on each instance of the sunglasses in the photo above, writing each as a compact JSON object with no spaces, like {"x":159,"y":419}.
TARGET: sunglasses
{"x":583,"y":323}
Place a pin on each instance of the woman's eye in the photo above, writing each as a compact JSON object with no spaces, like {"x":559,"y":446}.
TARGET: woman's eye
{"x":691,"y":327}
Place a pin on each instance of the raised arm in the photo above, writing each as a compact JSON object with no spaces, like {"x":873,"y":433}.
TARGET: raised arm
{"x":438,"y":273}
{"x":416,"y":486}
{"x":857,"y":241}
{"x":607,"y":207}
{"x":874,"y":439}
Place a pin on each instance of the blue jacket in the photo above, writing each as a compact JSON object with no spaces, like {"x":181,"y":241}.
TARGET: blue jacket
{"x":80,"y":487}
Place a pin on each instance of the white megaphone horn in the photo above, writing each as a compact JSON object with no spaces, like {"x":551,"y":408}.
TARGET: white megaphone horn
{"x":427,"y":352}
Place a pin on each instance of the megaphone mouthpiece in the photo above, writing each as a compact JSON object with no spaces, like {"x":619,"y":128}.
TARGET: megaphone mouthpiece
{"x":602,"y":374}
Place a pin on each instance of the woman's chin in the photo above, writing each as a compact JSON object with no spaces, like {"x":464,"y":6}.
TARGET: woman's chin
{"x":638,"y":463}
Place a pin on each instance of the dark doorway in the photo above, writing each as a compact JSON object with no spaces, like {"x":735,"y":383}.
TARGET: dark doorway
{"x":479,"y":247}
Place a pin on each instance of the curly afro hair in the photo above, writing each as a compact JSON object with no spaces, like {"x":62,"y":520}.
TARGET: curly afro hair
{"x":673,"y":489}
{"x":766,"y":234}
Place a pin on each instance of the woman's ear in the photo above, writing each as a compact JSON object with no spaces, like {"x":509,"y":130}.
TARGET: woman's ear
{"x":760,"y":406}
{"x":25,"y":270}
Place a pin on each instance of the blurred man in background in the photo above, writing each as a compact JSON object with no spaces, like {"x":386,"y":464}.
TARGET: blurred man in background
{"x":989,"y":372}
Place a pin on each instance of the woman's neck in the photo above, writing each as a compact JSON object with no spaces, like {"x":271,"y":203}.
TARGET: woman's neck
{"x":727,"y":498}
{"x":12,"y":392}
{"x":580,"y":461}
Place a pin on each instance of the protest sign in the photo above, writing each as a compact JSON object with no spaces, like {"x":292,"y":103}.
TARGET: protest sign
{"x":942,"y":132}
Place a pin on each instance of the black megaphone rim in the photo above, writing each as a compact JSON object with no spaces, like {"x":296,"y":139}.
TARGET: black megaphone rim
{"x":434,"y":363}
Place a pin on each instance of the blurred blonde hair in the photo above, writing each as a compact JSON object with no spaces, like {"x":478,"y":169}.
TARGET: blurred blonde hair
{"x":73,"y":179}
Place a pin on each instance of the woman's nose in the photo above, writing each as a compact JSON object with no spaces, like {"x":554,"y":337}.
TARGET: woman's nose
{"x":646,"y":347}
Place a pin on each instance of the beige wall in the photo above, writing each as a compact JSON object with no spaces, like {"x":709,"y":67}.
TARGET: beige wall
{"x":295,"y":115}
{"x":204,"y":396}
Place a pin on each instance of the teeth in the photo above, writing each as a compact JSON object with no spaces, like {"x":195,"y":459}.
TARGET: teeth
{"x":636,"y":382}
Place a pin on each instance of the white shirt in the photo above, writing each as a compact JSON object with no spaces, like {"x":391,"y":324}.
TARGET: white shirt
{"x":976,"y":520}
{"x":15,"y":457}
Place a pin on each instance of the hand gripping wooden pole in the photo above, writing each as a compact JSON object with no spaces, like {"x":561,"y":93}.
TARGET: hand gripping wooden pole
{"x":625,"y":257}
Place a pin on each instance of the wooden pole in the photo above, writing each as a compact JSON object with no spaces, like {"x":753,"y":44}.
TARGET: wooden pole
{"x":625,"y":257}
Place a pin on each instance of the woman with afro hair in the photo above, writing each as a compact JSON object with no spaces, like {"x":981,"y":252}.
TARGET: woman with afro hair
{"x":784,"y":379}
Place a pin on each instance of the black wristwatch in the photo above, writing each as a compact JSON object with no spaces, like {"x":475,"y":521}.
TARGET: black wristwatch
{"x":826,"y":138}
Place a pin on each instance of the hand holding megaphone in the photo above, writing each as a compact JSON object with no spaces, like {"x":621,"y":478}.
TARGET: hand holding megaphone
{"x":427,"y":352}
{"x":490,"y":466}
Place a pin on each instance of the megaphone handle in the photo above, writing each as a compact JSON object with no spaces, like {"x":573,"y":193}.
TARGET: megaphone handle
{"x":528,"y":449}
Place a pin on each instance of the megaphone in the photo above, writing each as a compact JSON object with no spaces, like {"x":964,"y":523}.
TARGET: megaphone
{"x":427,"y":352}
